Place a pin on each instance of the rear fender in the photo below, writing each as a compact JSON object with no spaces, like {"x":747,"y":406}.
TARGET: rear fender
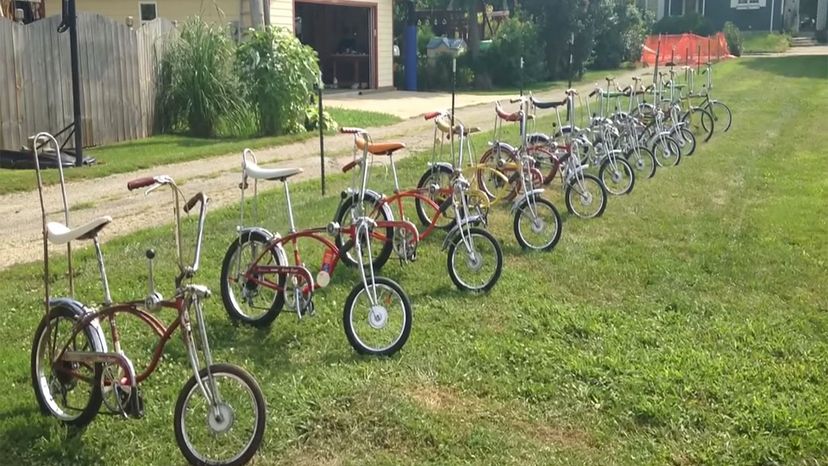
{"x":80,"y":312}
{"x":278,"y":249}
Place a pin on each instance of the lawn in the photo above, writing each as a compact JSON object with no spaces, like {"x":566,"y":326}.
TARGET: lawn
{"x":538,"y":87}
{"x":165,"y":149}
{"x":764,"y":42}
{"x":685,"y":326}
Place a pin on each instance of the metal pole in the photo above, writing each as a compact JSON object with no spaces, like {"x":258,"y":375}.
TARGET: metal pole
{"x":453,"y":94}
{"x":76,"y":100}
{"x":319,"y":86}
{"x":522,"y":81}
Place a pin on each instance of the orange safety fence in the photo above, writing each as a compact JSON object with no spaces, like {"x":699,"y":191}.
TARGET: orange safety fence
{"x":684,"y":49}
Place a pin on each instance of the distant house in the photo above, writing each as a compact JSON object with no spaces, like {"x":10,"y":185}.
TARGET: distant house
{"x":756,"y":15}
{"x":444,"y":46}
{"x":354,"y":38}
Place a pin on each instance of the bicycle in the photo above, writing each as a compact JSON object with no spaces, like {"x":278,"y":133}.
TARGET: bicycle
{"x":467,"y":245}
{"x":718,"y":109}
{"x":257,"y":282}
{"x":584,"y":194}
{"x":71,"y":358}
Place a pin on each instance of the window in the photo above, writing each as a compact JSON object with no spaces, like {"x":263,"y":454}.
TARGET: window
{"x":148,"y":11}
{"x":747,"y":4}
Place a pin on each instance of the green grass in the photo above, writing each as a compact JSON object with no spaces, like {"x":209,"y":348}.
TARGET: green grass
{"x":765,"y":42}
{"x":685,"y":326}
{"x":165,"y":149}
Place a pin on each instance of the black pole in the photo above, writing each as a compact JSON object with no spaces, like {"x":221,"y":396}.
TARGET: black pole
{"x":453,"y":93}
{"x":76,"y":100}
{"x":319,"y":86}
{"x":569,"y":72}
{"x":522,"y":79}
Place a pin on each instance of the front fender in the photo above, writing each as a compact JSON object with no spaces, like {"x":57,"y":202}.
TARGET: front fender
{"x":80,"y":311}
{"x":522,"y":198}
{"x":452,"y":235}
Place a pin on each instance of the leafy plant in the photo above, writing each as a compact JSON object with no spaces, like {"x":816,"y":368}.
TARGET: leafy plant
{"x":623,"y":28}
{"x":199,"y":91}
{"x":734,"y":38}
{"x":312,"y":120}
{"x":516,"y":38}
{"x":280,"y":73}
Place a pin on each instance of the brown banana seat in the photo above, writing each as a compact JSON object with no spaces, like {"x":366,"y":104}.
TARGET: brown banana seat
{"x":379,"y":148}
{"x":507,"y":116}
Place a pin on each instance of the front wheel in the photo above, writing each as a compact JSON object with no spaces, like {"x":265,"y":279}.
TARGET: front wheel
{"x":475,"y":261}
{"x":617,"y":176}
{"x":228,"y":431}
{"x":69,"y":391}
{"x":666,"y":151}
{"x":585,"y":196}
{"x":722,"y":116}
{"x":643,"y":161}
{"x":686,"y":141}
{"x":377,"y":327}
{"x":537,"y":226}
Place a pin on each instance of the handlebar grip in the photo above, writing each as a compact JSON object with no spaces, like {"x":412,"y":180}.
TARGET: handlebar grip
{"x":141,"y":183}
{"x":347,"y":130}
{"x":519,"y":99}
{"x":193,"y":201}
{"x":432,"y":115}
{"x":350,"y":166}
{"x":592,"y":94}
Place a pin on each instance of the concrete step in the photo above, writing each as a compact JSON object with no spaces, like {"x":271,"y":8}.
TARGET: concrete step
{"x":803,"y":42}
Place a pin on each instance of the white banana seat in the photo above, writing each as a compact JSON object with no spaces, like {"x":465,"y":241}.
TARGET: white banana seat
{"x":253,"y":170}
{"x":61,"y":234}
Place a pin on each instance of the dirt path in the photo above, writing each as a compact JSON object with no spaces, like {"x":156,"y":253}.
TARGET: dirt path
{"x":20,"y":226}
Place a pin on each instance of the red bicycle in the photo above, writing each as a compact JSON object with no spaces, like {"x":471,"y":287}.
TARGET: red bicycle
{"x":257,"y":280}
{"x":475,"y":258}
{"x":75,"y":371}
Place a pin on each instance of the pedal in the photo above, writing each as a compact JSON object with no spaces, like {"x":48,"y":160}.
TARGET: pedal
{"x":135,"y":404}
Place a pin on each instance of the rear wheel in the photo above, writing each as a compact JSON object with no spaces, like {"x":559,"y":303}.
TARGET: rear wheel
{"x":381,"y":248}
{"x":686,"y":141}
{"x":228,"y":433}
{"x":436,"y":181}
{"x":495,"y":177}
{"x":245,"y":297}
{"x":585,"y":196}
{"x":69,"y":391}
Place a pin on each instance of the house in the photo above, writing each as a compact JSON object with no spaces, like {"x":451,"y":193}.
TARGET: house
{"x":756,"y":15}
{"x":354,"y":38}
{"x":444,"y":46}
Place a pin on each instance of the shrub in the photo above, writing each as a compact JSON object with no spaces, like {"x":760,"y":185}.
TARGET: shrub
{"x":623,"y":28}
{"x":691,"y":22}
{"x":279,"y":74}
{"x":516,"y":38}
{"x":312,"y":119}
{"x":199,"y":91}
{"x":435,"y":73}
{"x":734,"y":38}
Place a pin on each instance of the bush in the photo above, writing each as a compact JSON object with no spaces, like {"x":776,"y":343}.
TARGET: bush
{"x":516,"y":38}
{"x":199,"y":91}
{"x":734,"y":38}
{"x":692,"y":22}
{"x":279,"y":74}
{"x":312,"y":119}
{"x":623,"y":28}
{"x":435,"y":73}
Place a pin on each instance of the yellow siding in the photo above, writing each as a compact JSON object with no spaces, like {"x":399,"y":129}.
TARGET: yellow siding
{"x":171,"y":9}
{"x":281,"y":14}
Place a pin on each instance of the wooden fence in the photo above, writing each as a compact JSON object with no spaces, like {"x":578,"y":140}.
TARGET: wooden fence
{"x":118,"y":71}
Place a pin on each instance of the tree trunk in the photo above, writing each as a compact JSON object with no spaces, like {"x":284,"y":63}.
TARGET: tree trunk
{"x":256,"y":14}
{"x":474,"y":32}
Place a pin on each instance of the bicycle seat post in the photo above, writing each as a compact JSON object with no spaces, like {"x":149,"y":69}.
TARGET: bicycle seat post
{"x":291,"y":223}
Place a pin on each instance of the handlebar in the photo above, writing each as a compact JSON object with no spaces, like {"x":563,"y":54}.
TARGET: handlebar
{"x":351,"y":130}
{"x":520,"y":99}
{"x":350,"y":166}
{"x":571,"y":92}
{"x":193,"y":201}
{"x":141,"y":183}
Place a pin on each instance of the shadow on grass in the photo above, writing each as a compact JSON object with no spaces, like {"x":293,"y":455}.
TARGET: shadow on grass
{"x":791,"y":67}
{"x":31,"y":438}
